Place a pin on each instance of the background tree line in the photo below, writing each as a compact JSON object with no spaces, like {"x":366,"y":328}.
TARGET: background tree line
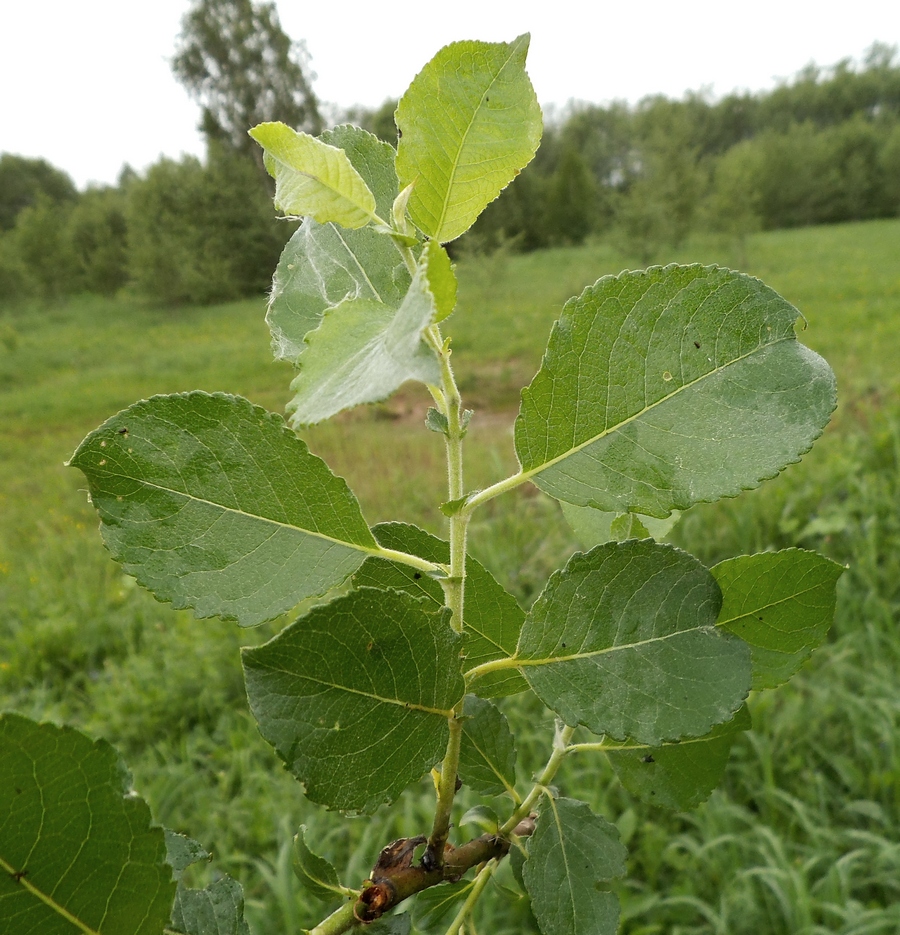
{"x":822,"y":148}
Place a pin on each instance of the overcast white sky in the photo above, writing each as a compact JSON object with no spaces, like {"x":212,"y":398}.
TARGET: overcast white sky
{"x":86,"y":84}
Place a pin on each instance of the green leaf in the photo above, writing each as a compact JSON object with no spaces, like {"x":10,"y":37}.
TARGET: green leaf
{"x":391,"y":925}
{"x":517,"y":865}
{"x":487,"y":758}
{"x":493,"y":618}
{"x":78,"y":852}
{"x":441,"y":279}
{"x":678,"y":775}
{"x":212,"y":503}
{"x":316,"y":875}
{"x":668,"y":387}
{"x":355,"y":695}
{"x":571,"y":855}
{"x":782,"y":604}
{"x":628,"y":526}
{"x":594,"y":527}
{"x":469,"y":123}
{"x":436,"y":421}
{"x":452,"y":507}
{"x":182,"y":851}
{"x":483,"y":817}
{"x":314,"y":179}
{"x":362,"y":351}
{"x":216,"y":910}
{"x":623,"y":641}
{"x":324,"y":265}
{"x":372,"y":158}
{"x":435,"y":907}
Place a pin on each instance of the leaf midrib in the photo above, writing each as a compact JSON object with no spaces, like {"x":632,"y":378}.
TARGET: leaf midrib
{"x":407,"y":705}
{"x":516,"y":661}
{"x":48,"y":900}
{"x":368,"y":550}
{"x":455,"y":166}
{"x":769,"y":606}
{"x":531,"y":472}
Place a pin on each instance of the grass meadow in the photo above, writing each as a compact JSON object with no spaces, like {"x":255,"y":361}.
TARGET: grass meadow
{"x":803,"y":836}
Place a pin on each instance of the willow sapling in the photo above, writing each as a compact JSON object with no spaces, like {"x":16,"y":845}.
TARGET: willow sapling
{"x":659,"y":389}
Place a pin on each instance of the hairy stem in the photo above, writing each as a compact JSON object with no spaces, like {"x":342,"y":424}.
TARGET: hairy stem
{"x":481,"y":497}
{"x":440,"y":830}
{"x":560,"y":749}
{"x":454,"y":588}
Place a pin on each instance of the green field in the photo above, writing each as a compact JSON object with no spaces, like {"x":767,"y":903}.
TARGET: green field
{"x":803,"y":837}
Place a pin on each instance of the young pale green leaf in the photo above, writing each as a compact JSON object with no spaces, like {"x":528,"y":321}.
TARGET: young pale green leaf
{"x":572,"y":855}
{"x":487,"y":757}
{"x":493,"y":618}
{"x":678,"y":775}
{"x":435,"y":907}
{"x":664,"y":388}
{"x":469,"y":123}
{"x":218,"y":909}
{"x":623,"y":640}
{"x":324,"y":265}
{"x":594,"y":527}
{"x":313,"y":179}
{"x":355,"y":695}
{"x":362,"y":351}
{"x":316,"y":875}
{"x":212,"y":503}
{"x":782,"y":604}
{"x":441,"y":279}
{"x":78,"y":852}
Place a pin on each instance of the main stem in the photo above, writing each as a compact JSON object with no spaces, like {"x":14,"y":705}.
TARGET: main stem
{"x":454,"y":587}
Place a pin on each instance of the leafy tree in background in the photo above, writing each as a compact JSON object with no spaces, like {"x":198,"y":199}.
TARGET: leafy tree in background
{"x":98,"y":234}
{"x":201,"y":233}
{"x":238,"y":62}
{"x":23,"y":181}
{"x":40,"y":242}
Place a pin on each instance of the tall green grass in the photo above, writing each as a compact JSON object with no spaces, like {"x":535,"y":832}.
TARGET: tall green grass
{"x":803,"y":836}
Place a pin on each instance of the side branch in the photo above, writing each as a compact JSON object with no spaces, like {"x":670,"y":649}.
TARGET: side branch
{"x":395,"y":878}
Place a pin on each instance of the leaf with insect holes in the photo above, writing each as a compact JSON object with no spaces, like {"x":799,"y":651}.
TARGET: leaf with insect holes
{"x":682,"y":774}
{"x":468,"y":123}
{"x":324,"y":264}
{"x":487,"y":758}
{"x":212,"y":503}
{"x":623,"y":640}
{"x":594,"y":527}
{"x":782,"y":604}
{"x":572,"y":856}
{"x":493,"y":618}
{"x":363,"y":350}
{"x":356,"y":694}
{"x":313,"y":178}
{"x":664,"y":388}
{"x":218,"y":909}
{"x":316,"y":875}
{"x":78,"y":851}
